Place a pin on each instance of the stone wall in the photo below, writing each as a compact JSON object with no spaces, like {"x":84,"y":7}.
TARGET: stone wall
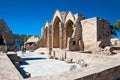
{"x":10,"y":39}
{"x":7,"y":34}
{"x":89,"y":32}
{"x":94,"y":30}
{"x":103,"y":32}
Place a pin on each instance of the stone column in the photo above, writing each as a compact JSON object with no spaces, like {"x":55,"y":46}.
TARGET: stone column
{"x":52,"y":34}
{"x":49,"y":41}
{"x":49,"y":35}
{"x":64,"y":37}
{"x":61,"y":28}
{"x":46,"y":37}
{"x":81,"y":44}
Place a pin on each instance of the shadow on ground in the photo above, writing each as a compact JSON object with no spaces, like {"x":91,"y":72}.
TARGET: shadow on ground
{"x":33,"y":59}
{"x":24,"y":73}
{"x":24,"y":63}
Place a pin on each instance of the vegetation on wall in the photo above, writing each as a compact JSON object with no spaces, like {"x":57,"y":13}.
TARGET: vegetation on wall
{"x":115,"y":29}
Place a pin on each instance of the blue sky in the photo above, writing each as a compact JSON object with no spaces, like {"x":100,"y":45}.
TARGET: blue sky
{"x":28,"y":16}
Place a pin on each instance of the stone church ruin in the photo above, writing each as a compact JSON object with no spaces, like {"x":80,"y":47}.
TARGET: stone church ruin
{"x":74,"y":32}
{"x":62,"y":52}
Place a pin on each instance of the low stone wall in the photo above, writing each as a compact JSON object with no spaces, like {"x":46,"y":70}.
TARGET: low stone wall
{"x":7,"y":69}
{"x":92,"y":59}
{"x":3,"y":48}
{"x":108,"y":74}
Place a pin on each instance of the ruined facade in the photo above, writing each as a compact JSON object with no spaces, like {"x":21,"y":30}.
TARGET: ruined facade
{"x":7,"y":37}
{"x":74,"y":32}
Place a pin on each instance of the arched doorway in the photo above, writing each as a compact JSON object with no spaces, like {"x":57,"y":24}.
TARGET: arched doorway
{"x":56,"y":35}
{"x":2,"y":42}
{"x":69,"y":30}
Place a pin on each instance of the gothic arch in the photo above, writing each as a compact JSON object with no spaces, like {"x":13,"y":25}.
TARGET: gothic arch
{"x":46,"y":24}
{"x":45,"y":34}
{"x":56,"y":32}
{"x":57,"y":14}
{"x":69,"y":30}
{"x":70,"y":17}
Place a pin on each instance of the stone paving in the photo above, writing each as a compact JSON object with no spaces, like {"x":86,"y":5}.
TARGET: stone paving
{"x":42,"y":68}
{"x":40,"y":65}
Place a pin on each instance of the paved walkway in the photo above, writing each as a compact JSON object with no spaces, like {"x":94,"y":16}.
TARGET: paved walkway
{"x":39,"y":65}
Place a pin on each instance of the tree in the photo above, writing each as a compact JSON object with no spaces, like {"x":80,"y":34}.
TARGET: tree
{"x":117,"y":25}
{"x":25,"y":39}
{"x":115,"y":29}
{"x":112,"y":30}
